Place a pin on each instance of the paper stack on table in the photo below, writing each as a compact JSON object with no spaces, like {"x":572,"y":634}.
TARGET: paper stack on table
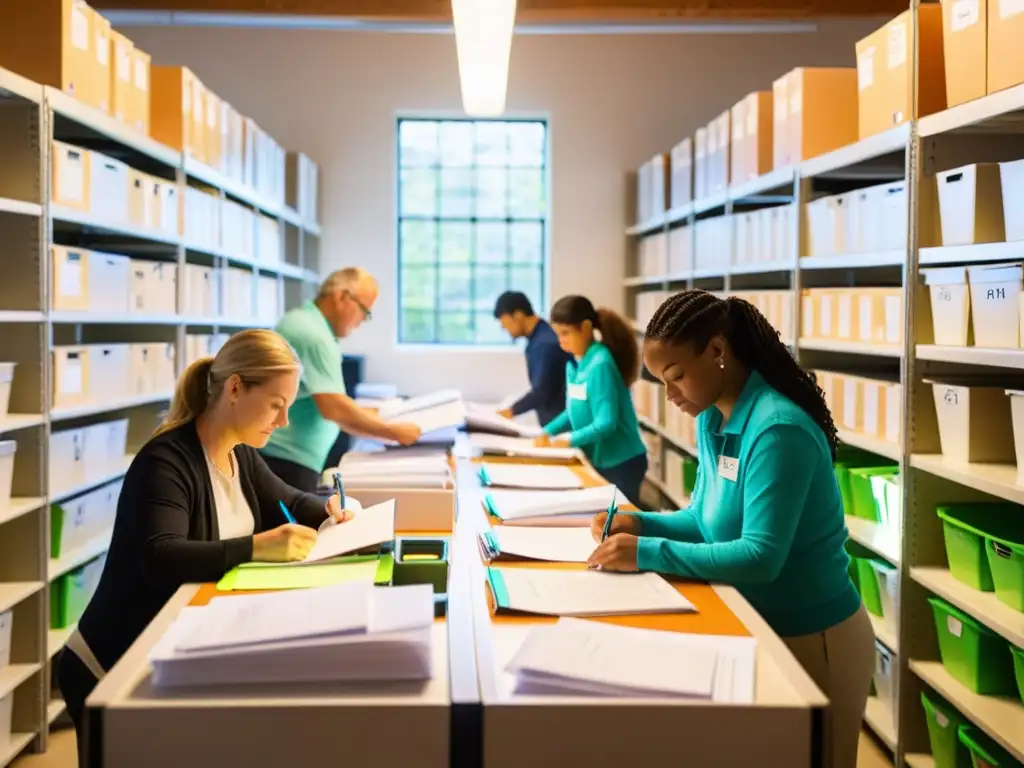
{"x":550,"y":508}
{"x":588,"y":658}
{"x":438,"y":415}
{"x":347,"y":632}
{"x":415,"y":467}
{"x":502,"y":445}
{"x":556,"y":545}
{"x":529,"y":476}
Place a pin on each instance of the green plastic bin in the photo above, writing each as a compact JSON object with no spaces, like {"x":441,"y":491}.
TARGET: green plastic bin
{"x":848,"y":458}
{"x":865,"y":504}
{"x":888,"y":499}
{"x":71,"y":593}
{"x":1006,"y":562}
{"x":966,"y":527}
{"x":868,"y":583}
{"x":944,"y":723}
{"x":1018,"y":668}
{"x":985,"y":753}
{"x":971,"y":652}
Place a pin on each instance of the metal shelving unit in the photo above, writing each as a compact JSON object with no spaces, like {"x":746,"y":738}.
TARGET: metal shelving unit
{"x":31,"y":117}
{"x":990,"y":129}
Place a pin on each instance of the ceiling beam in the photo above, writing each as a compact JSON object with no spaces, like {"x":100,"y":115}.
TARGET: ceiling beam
{"x":531,"y":11}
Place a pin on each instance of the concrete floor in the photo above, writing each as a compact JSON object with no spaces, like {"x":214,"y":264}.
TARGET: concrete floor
{"x":62,"y":754}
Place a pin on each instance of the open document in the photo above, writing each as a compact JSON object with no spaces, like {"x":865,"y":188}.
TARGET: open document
{"x":591,"y":658}
{"x":437,"y":412}
{"x":565,"y":508}
{"x":523,"y":447}
{"x":554,"y":592}
{"x":371,"y":527}
{"x":340,"y":633}
{"x":529,"y":476}
{"x":556,"y":545}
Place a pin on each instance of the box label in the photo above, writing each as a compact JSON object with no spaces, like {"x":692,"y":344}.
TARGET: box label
{"x":123,"y":65}
{"x":71,"y":381}
{"x":796,"y":101}
{"x":751,"y":122}
{"x":955,"y":626}
{"x":141,"y":78}
{"x":79,"y":29}
{"x":71,"y":275}
{"x":1010,"y":8}
{"x":893,"y":320}
{"x":102,"y":49}
{"x":850,"y":405}
{"x":845,"y":316}
{"x":866,"y":318}
{"x":866,"y":68}
{"x":71,"y":179}
{"x":780,"y":104}
{"x":965,"y":14}
{"x":897,"y":45}
{"x":826,"y":317}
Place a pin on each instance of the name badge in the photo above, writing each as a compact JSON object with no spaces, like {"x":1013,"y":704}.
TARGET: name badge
{"x":728,"y":468}
{"x":577,"y":391}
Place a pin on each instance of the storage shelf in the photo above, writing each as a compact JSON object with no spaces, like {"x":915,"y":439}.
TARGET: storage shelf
{"x":984,"y":606}
{"x":971,"y":254}
{"x":679,"y":213}
{"x":15,"y":421}
{"x":761,"y":268}
{"x":850,"y":347}
{"x":14,"y":675}
{"x":92,"y":409}
{"x":106,"y":125}
{"x":206,"y":174}
{"x":13,"y":592}
{"x":880,"y":720}
{"x":710,"y":272}
{"x":114,"y":318}
{"x":14,"y":747}
{"x":976,"y":116}
{"x":116,"y":471}
{"x":79,"y":556}
{"x":657,"y":429}
{"x":21,"y":316}
{"x":773,"y":181}
{"x":83,"y":219}
{"x":996,"y":358}
{"x":20,"y":207}
{"x":640,"y":282}
{"x":998,"y":480}
{"x":711,"y":202}
{"x":679,"y":502}
{"x":55,"y":709}
{"x":855,"y":260}
{"x":883,"y":634}
{"x":871,"y":148}
{"x":647,"y":227}
{"x":870,"y":444}
{"x":875,"y":537}
{"x":56,"y":639}
{"x":1000,"y":717}
{"x":22,"y":88}
{"x":19,"y":506}
{"x":920,"y":761}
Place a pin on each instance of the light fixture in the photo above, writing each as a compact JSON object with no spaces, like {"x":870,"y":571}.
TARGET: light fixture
{"x":483,"y":44}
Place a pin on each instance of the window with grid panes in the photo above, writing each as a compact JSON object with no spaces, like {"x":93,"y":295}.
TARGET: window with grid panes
{"x":472,"y":223}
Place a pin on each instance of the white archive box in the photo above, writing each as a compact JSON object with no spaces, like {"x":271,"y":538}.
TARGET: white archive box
{"x":109,"y":372}
{"x":951,"y":305}
{"x":268,"y":240}
{"x":652,"y":255}
{"x":267,"y":302}
{"x":110,"y":278}
{"x":853,"y":403}
{"x":1011,"y":177}
{"x":66,"y":460}
{"x":202,"y":223}
{"x":887,"y":209}
{"x":680,"y":251}
{"x":884,"y":678}
{"x":975,"y":421}
{"x":108,"y":189}
{"x":197,"y":345}
{"x":879,"y":315}
{"x":238,"y":227}
{"x":199,"y":290}
{"x":168,"y":210}
{"x":970,"y":205}
{"x":6,"y":382}
{"x":163,"y":287}
{"x":8,"y":450}
{"x":105,"y":445}
{"x":70,"y":376}
{"x":826,"y":220}
{"x":6,"y":633}
{"x":743,"y":250}
{"x":995,"y":305}
{"x":71,"y":170}
{"x":69,"y":288}
{"x":239,"y":293}
{"x":143,"y":365}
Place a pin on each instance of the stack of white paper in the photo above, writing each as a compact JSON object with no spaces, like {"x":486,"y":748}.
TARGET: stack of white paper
{"x":576,"y":657}
{"x":556,"y":545}
{"x":558,"y":508}
{"x":346,"y":632}
{"x":480,"y":418}
{"x":529,"y":476}
{"x":368,"y":528}
{"x":438,"y":415}
{"x":415,"y":467}
{"x":502,"y":445}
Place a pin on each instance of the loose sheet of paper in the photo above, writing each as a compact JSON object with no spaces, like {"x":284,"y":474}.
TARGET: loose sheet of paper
{"x":531,"y":476}
{"x":519,"y":505}
{"x":480,"y":417}
{"x":556,"y":545}
{"x":590,"y":593}
{"x":519,"y":446}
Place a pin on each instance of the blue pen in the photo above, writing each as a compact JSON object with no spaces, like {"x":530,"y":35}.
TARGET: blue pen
{"x":340,"y":489}
{"x":287,"y":515}
{"x":612,"y":509}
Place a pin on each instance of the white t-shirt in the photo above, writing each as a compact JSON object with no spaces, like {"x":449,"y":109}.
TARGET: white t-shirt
{"x":234,"y":516}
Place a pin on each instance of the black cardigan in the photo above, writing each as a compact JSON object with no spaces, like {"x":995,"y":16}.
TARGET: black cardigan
{"x":166,"y":534}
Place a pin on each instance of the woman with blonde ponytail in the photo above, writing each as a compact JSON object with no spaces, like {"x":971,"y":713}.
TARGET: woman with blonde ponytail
{"x":197,"y":501}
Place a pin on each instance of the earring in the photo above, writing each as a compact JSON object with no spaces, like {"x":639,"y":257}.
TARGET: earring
{"x":721,"y":365}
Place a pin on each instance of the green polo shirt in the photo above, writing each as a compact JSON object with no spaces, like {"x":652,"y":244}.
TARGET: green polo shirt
{"x":765,"y":516}
{"x":599,"y":413}
{"x":308,"y":438}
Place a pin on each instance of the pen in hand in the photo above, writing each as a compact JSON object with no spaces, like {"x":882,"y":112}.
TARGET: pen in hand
{"x":339,"y":489}
{"x":287,"y":515}
{"x":612,"y":509}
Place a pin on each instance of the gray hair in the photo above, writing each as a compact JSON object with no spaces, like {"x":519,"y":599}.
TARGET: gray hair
{"x":346,"y":279}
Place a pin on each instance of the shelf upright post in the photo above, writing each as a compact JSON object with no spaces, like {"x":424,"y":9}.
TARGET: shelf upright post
{"x":182,"y":329}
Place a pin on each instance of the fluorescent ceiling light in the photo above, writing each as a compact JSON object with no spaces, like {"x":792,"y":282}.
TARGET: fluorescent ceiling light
{"x":483,"y":43}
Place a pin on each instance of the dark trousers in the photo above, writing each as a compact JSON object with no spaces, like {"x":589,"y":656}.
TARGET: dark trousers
{"x":297,"y":476}
{"x":627,"y":477}
{"x":76,"y":682}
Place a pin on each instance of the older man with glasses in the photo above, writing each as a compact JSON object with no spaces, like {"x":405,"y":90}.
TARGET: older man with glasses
{"x":297,"y":452}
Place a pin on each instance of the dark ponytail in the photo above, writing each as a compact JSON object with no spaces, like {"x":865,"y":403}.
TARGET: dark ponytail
{"x":616,"y":334}
{"x":696,"y":317}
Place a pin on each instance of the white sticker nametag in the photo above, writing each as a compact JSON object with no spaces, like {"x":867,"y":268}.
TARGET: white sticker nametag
{"x":728,"y":468}
{"x":577,"y":391}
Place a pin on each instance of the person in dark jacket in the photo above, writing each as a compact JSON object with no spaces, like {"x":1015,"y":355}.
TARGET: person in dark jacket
{"x":545,"y":359}
{"x":197,"y":500}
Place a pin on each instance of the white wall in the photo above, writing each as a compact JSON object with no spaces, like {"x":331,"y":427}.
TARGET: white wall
{"x":612,"y":102}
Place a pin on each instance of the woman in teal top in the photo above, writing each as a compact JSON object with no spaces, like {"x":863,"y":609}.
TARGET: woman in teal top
{"x":599,"y":414}
{"x":766,"y":515}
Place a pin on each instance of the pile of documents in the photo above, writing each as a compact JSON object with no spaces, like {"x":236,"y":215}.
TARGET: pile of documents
{"x":529,"y":476}
{"x":522,"y":447}
{"x":589,"y":658}
{"x":550,"y":508}
{"x":348,"y":632}
{"x":556,"y":545}
{"x":414,"y":467}
{"x":484,"y":418}
{"x":438,"y":415}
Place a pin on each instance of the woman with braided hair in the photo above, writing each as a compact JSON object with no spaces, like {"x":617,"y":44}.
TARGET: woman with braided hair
{"x":766,"y":515}
{"x":599,"y":416}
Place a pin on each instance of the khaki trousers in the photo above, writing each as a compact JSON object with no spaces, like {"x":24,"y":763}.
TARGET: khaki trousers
{"x":841,"y":661}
